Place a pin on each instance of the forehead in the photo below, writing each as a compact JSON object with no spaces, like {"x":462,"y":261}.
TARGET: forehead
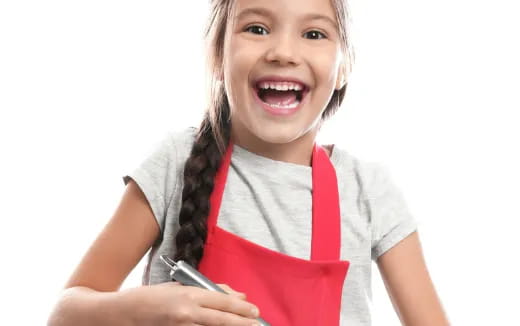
{"x":286,"y":9}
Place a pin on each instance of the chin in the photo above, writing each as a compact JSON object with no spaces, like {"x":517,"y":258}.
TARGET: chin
{"x":274,"y":135}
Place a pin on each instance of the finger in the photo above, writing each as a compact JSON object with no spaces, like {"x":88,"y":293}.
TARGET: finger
{"x":224,"y":302}
{"x":212,"y":317}
{"x":241,"y":295}
{"x":229,"y":290}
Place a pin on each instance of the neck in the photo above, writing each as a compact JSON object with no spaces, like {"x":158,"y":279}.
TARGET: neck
{"x":298,"y":151}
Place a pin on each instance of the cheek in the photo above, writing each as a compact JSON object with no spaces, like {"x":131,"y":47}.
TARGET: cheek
{"x":325,"y":64}
{"x":239,"y":58}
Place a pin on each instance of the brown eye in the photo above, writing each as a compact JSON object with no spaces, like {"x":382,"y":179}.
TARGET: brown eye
{"x":256,"y":29}
{"x":315,"y":35}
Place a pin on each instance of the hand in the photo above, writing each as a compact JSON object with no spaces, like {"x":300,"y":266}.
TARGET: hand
{"x":170,"y":303}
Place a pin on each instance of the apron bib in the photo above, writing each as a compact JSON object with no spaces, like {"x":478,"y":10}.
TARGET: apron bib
{"x":288,"y":290}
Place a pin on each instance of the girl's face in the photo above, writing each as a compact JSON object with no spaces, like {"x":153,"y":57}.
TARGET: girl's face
{"x":282,"y":44}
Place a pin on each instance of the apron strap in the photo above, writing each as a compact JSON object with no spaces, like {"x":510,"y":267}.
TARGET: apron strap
{"x":326,"y":218}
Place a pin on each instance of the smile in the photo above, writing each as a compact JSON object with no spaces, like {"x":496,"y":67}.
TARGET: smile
{"x":280,"y":96}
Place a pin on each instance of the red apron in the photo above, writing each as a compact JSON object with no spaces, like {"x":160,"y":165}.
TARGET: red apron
{"x":288,"y":290}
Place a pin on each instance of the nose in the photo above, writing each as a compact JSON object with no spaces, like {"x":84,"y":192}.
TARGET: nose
{"x":283,"y":51}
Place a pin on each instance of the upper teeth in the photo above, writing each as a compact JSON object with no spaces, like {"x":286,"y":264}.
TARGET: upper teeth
{"x":281,"y":86}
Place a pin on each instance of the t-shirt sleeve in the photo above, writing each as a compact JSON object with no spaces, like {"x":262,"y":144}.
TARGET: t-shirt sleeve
{"x":391,"y":219}
{"x":156,"y":176}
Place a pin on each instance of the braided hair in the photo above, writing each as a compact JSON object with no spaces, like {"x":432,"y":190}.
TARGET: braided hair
{"x":199,"y":173}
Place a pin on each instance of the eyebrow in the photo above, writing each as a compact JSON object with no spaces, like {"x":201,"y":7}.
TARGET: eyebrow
{"x":321,"y":17}
{"x":267,"y":13}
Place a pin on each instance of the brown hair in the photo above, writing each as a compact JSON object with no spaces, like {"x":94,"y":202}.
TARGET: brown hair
{"x":214,"y":132}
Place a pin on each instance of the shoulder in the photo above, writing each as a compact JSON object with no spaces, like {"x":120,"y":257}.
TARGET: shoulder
{"x":370,"y":175}
{"x":168,"y":151}
{"x":181,"y":136}
{"x":178,"y":142}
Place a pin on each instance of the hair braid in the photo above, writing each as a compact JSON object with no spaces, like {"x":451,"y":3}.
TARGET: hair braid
{"x":199,"y":172}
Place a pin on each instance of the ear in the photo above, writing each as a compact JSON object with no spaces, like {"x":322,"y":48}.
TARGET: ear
{"x":341,"y":80}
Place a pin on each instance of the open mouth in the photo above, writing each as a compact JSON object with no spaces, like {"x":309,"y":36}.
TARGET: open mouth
{"x":281,"y":95}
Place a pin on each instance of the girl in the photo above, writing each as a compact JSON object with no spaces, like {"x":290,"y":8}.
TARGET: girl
{"x":253,"y":202}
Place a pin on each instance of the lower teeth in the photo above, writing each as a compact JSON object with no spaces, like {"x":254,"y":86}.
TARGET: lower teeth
{"x":281,"y":106}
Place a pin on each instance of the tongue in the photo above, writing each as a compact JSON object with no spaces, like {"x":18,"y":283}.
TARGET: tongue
{"x":275,"y":97}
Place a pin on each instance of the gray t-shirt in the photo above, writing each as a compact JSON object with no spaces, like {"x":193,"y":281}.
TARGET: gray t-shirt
{"x":276,"y":199}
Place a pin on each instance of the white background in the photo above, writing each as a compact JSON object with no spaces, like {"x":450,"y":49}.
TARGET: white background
{"x":87,"y":88}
